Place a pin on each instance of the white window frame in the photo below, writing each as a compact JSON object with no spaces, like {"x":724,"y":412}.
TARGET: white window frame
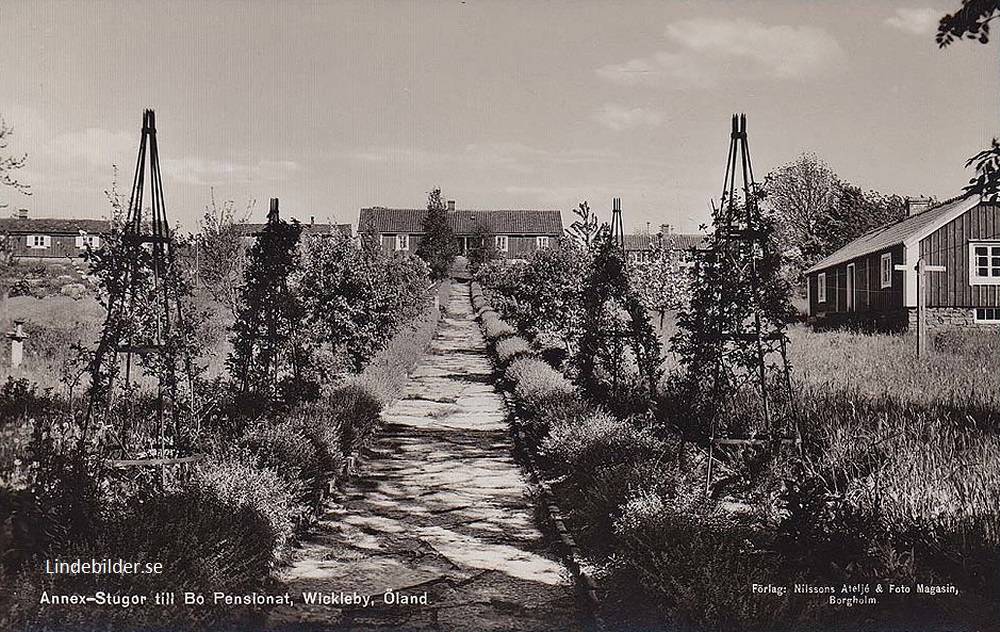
{"x":502,"y":243}
{"x":821,"y":287}
{"x":885,"y":270}
{"x":82,"y":241}
{"x":992,"y":254}
{"x":39,"y":242}
{"x":986,"y":320}
{"x":542,"y":242}
{"x":403,"y":242}
{"x":850,"y":281}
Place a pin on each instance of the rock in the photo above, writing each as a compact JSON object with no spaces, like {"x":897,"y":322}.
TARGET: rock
{"x":75,"y":291}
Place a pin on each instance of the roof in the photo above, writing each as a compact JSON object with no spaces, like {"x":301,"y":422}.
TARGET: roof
{"x":249,"y":229}
{"x":463,"y":222}
{"x":54,"y":226}
{"x":672,"y":241}
{"x":906,"y":231}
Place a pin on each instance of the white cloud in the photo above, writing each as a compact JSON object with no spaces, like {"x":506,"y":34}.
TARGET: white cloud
{"x":703,"y":50}
{"x":620,"y":117}
{"x":922,"y":21}
{"x":194,"y":170}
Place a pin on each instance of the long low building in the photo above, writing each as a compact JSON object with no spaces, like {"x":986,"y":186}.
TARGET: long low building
{"x":51,"y":238}
{"x":860,"y":283}
{"x":515,"y":233}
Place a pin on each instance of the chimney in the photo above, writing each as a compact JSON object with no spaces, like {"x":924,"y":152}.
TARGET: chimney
{"x":451,"y":205}
{"x":917,"y":205}
{"x":272,"y":213}
{"x":666,"y":229}
{"x":22,"y":213}
{"x":312,"y":220}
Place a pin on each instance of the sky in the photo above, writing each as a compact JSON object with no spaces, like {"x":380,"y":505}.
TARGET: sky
{"x":337,"y":105}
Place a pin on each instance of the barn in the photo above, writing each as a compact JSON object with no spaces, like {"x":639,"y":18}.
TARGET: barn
{"x":516,"y":233}
{"x":861,"y":284}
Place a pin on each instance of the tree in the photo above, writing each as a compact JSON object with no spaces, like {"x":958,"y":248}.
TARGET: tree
{"x":855,"y":213}
{"x":268,"y":358}
{"x":661,"y":282}
{"x":815,"y":212}
{"x":971,"y":21}
{"x":585,"y":230}
{"x":437,"y":247}
{"x":9,"y":164}
{"x":482,"y":247}
{"x":222,"y":251}
{"x":799,"y":194}
{"x":355,"y":296}
{"x":618,"y":360}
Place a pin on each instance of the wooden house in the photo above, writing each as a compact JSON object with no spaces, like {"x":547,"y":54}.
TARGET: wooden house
{"x":516,"y":233}
{"x":861,"y":284}
{"x":644,"y":246}
{"x":45,"y":238}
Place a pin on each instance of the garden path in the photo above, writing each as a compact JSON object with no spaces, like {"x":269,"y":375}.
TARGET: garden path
{"x":441,"y":510}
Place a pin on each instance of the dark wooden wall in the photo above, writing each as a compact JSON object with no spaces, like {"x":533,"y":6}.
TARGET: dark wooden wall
{"x":949,"y":246}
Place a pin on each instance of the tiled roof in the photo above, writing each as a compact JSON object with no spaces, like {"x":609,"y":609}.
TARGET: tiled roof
{"x":672,"y":241}
{"x":463,"y":222}
{"x":905,"y":230}
{"x":53,"y":226}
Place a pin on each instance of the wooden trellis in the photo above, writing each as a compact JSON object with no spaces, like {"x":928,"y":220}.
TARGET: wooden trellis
{"x":143,"y":350}
{"x":750,"y":358}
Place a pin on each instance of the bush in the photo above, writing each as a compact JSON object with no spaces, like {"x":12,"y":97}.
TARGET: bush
{"x":357,"y":412}
{"x":239,"y":484}
{"x":511,"y":348}
{"x":597,"y":440}
{"x":289,"y":448}
{"x":494,"y":328}
{"x":693,"y":559}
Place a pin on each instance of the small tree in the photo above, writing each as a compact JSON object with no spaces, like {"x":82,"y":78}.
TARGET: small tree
{"x":618,"y":360}
{"x":661,"y":282}
{"x":222,"y":251}
{"x":482,"y":247}
{"x":10,"y":164}
{"x":268,"y":358}
{"x":437,"y":247}
{"x":585,"y":230}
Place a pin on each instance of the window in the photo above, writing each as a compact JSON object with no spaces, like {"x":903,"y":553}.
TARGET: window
{"x":402,"y":242}
{"x":984,"y":263}
{"x":501,"y":243}
{"x":987,"y":315}
{"x":83,"y":241}
{"x":886,"y":268}
{"x":821,"y":287}
{"x":541,"y":242}
{"x":850,"y":287}
{"x":39,"y":241}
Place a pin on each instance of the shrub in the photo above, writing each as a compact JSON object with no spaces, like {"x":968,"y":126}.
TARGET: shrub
{"x":511,"y":348}
{"x":243,"y":487}
{"x":288,"y":448}
{"x":693,"y":558}
{"x":494,"y":328}
{"x":598,"y":439}
{"x":356,"y":411}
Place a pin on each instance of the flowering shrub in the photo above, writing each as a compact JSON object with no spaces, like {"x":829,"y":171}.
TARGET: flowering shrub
{"x":355,"y":297}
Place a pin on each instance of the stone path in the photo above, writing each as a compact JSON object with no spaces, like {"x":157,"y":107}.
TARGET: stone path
{"x":442,"y":510}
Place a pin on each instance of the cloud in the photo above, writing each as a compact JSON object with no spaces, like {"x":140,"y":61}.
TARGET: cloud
{"x":510,"y":156}
{"x":704,"y":50}
{"x":922,"y":21}
{"x":194,"y":170}
{"x":620,"y":117}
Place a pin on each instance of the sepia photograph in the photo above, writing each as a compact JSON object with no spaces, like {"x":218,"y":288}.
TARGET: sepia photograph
{"x":499,"y":316}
